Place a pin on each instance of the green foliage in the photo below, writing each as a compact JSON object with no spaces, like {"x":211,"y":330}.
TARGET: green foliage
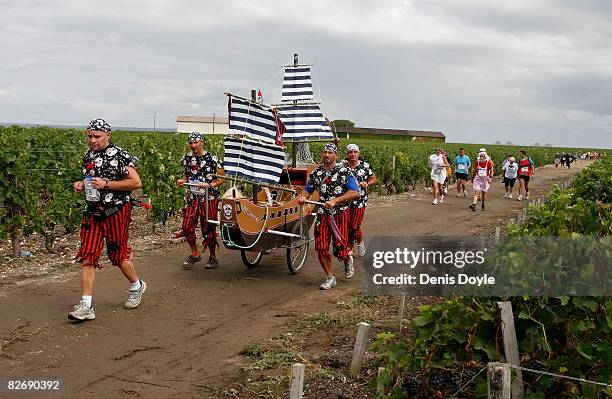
{"x":343,"y":123}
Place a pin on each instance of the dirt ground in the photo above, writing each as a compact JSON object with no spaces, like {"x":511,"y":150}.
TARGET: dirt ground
{"x":200,"y":333}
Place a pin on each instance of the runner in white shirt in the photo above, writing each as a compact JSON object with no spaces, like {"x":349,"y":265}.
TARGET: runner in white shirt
{"x":510,"y":173}
{"x":438,"y":165}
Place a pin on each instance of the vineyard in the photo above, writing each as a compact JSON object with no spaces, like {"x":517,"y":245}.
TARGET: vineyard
{"x":39,"y":165}
{"x":567,"y":335}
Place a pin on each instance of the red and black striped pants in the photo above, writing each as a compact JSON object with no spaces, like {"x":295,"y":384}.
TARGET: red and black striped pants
{"x":323,"y":232}
{"x":115,"y":229}
{"x":195,"y":210}
{"x":355,"y":219}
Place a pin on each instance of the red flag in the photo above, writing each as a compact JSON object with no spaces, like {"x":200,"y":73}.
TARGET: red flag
{"x":259,"y":96}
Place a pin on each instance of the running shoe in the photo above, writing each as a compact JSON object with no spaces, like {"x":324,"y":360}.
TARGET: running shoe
{"x":330,"y":282}
{"x":441,"y":199}
{"x":212,"y":263}
{"x":510,"y":196}
{"x":82,"y":312}
{"x":361,"y":249}
{"x":190,"y":260}
{"x":349,"y":270}
{"x":435,"y":201}
{"x":526,"y":195}
{"x":473,"y":207}
{"x":520,"y":198}
{"x":135,"y":296}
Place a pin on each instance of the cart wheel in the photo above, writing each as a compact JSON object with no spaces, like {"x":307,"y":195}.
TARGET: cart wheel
{"x":296,"y":256}
{"x":250,"y":258}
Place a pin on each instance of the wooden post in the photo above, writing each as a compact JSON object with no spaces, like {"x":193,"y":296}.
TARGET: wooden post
{"x":400,"y":315}
{"x":525,"y":214}
{"x":361,"y":343}
{"x":512,"y":221}
{"x":511,"y":346}
{"x":497,"y":231}
{"x":380,"y":388}
{"x":498,"y":381}
{"x":297,"y":381}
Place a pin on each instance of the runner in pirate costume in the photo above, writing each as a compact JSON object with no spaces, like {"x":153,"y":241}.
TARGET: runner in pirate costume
{"x":109,"y":175}
{"x":365,"y":178}
{"x":337,"y":187}
{"x":198,"y":166}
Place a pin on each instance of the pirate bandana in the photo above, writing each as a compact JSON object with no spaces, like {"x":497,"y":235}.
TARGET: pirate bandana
{"x":195,"y":136}
{"x":330,"y":147}
{"x":99,"y":125}
{"x":352,"y":147}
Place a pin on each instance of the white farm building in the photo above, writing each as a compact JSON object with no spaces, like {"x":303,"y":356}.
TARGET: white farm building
{"x":202,"y":124}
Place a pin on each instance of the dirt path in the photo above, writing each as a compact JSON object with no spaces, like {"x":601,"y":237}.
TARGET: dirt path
{"x":183,"y":341}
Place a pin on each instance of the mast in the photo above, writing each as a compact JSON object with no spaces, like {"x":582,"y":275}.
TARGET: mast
{"x":294,"y":145}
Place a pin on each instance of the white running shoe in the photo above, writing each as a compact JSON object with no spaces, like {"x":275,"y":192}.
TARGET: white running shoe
{"x":445,"y":190}
{"x":435,"y":201}
{"x":82,"y":312}
{"x":520,"y":198}
{"x":506,"y":195}
{"x":135,"y":296}
{"x":441,"y":199}
{"x":510,"y":196}
{"x":527,"y":196}
{"x":361,"y":249}
{"x":349,"y":270}
{"x":329,"y":283}
{"x":464,"y":194}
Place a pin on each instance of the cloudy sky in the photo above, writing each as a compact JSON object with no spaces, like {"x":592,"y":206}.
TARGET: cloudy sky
{"x":478,"y":70}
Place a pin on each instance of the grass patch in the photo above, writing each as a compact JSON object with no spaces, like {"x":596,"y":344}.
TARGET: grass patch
{"x":271,"y":353}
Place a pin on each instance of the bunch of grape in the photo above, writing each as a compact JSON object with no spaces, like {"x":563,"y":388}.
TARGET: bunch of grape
{"x":439,"y":380}
{"x":412,"y":384}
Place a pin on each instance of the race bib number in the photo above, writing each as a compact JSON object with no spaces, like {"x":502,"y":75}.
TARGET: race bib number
{"x":196,"y":190}
{"x":525,"y":169}
{"x":461,"y":166}
{"x":482,"y":172}
{"x":91,"y":193}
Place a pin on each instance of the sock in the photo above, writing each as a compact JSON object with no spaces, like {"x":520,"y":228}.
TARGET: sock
{"x":87,"y":299}
{"x":135,"y":286}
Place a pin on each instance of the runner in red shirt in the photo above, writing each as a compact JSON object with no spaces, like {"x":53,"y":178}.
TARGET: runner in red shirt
{"x":525,"y":172}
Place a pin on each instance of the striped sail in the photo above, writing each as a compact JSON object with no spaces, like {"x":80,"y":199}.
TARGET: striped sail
{"x":253,"y":160}
{"x":304,"y":122}
{"x":297,"y":84}
{"x":249,"y":119}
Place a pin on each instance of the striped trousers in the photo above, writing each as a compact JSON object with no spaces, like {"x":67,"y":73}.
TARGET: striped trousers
{"x":115,"y":229}
{"x":323,"y":232}
{"x":355,"y":219}
{"x":195,"y":210}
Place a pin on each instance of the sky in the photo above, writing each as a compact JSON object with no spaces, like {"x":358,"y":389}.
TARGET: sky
{"x":480,"y":71}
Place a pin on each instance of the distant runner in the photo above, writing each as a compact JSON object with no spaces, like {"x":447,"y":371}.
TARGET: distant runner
{"x":510,"y":174}
{"x":483,"y":171}
{"x":438,"y":165}
{"x":526,"y":171}
{"x":462,"y":171}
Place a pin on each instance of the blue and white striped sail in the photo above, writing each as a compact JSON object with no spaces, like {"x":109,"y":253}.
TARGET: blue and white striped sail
{"x":253,"y":160}
{"x":297,"y":84}
{"x":250,"y":119}
{"x":304,"y":122}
